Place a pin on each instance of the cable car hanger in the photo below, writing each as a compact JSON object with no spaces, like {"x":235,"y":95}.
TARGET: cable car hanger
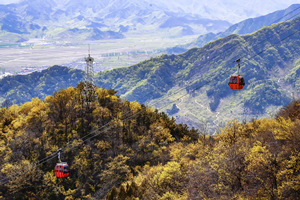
{"x":237,"y":82}
{"x":61,"y":169}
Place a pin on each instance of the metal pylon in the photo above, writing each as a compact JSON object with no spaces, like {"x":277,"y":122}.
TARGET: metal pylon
{"x":89,"y":86}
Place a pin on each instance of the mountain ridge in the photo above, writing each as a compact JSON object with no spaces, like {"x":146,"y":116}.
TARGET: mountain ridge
{"x":161,"y":80}
{"x":244,"y":27}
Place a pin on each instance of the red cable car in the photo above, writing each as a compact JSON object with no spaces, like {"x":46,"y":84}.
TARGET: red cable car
{"x":61,"y":170}
{"x":236,"y":82}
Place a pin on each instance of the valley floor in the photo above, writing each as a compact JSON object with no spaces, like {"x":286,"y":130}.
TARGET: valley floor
{"x":108,"y":54}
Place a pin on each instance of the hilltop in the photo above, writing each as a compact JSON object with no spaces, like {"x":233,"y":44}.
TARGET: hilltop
{"x":118,"y":149}
{"x":99,"y":158}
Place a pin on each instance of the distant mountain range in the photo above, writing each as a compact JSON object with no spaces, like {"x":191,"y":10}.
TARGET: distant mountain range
{"x":192,"y":87}
{"x":78,"y":20}
{"x":233,"y":11}
{"x":243,"y":27}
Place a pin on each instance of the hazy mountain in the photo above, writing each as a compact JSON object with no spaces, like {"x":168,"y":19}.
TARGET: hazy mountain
{"x":75,"y":20}
{"x":45,"y":19}
{"x":193,"y":81}
{"x":230,"y":10}
{"x":243,"y":27}
{"x":57,"y":20}
{"x":253,"y":24}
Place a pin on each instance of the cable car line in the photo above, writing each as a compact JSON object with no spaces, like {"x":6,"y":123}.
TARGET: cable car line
{"x":95,"y":135}
{"x":226,"y":50}
{"x":32,"y":166}
{"x":212,"y":79}
{"x":71,"y":146}
{"x":247,"y":54}
{"x":140,"y":112}
{"x":47,"y":159}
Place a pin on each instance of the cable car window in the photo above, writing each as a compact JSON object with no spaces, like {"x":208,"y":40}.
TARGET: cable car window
{"x":233,"y":79}
{"x":242,"y":81}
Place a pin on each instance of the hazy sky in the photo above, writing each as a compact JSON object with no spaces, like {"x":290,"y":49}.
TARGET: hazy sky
{"x":288,"y":2}
{"x":8,"y":1}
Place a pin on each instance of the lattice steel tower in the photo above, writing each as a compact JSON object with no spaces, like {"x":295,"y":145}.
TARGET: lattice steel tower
{"x":89,"y":87}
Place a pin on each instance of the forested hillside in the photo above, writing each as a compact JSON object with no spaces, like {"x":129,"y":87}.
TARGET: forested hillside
{"x":192,"y":86}
{"x":104,"y":142}
{"x":255,"y":160}
{"x":269,"y":57}
{"x":142,"y":154}
{"x":22,"y":88}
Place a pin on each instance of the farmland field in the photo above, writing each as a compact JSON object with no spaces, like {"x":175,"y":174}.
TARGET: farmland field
{"x":108,"y":54}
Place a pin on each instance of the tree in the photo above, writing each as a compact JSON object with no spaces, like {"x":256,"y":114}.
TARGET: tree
{"x":116,"y":171}
{"x":261,"y":169}
{"x":113,"y":195}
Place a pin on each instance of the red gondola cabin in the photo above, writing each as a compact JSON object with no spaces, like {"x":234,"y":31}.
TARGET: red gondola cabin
{"x":61,"y":170}
{"x":236,"y":82}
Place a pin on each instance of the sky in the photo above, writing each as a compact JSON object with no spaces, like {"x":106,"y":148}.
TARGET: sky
{"x":8,"y":1}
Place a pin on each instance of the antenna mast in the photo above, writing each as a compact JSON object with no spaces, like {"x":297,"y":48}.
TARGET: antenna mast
{"x":89,"y":87}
